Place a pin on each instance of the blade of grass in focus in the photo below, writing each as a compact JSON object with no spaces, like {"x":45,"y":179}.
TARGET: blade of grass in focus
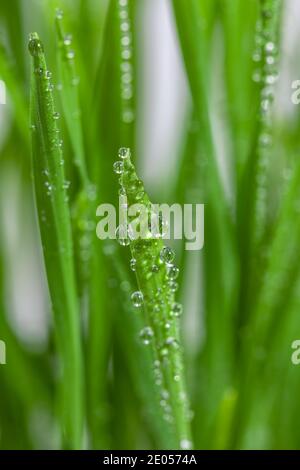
{"x":55,"y":229}
{"x":156,"y":275}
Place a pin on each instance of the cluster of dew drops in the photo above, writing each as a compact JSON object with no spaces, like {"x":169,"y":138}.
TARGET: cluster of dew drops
{"x":265,"y":56}
{"x":126,"y":63}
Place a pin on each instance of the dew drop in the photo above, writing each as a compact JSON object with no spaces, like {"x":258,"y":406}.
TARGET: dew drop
{"x":48,"y":75}
{"x":265,"y":140}
{"x":125,"y":26}
{"x":265,"y":105}
{"x":146,"y":335}
{"x":126,"y":54}
{"x":70,"y":54}
{"x":128,"y":116}
{"x":125,"y":66}
{"x":123,"y":14}
{"x":172,"y":342}
{"x":49,"y":188}
{"x":127,"y":78}
{"x":172,"y":272}
{"x":185,"y":444}
{"x":56,"y":116}
{"x":256,"y":57}
{"x":127,"y":93}
{"x":39,"y":71}
{"x":50,"y":87}
{"x":176,"y":309}
{"x":269,"y":47}
{"x":270,"y":60}
{"x":122,"y":236}
{"x":35,"y":47}
{"x":137,"y":298}
{"x":124,"y":152}
{"x":118,"y":167}
{"x":154,"y":268}
{"x":164,"y":352}
{"x":133,"y":264}
{"x":67,"y":39}
{"x":59,"y":14}
{"x":139,"y":195}
{"x":173,"y":285}
{"x":122,"y":191}
{"x":167,"y":255}
{"x":125,"y":41}
{"x":256,"y":77}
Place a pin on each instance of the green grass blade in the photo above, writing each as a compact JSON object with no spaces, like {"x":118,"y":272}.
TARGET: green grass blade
{"x":55,"y":229}
{"x":70,"y":96}
{"x":161,"y":312}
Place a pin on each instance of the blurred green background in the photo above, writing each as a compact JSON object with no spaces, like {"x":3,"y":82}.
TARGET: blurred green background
{"x":200,"y":90}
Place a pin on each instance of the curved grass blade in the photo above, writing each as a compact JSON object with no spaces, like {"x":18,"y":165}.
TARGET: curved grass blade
{"x":141,"y":358}
{"x":55,"y":229}
{"x":155,"y":274}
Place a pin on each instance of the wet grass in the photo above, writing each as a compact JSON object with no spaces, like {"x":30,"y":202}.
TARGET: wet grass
{"x":119,"y":365}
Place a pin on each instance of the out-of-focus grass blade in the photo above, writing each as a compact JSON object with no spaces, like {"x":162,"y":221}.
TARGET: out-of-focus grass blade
{"x":55,"y":229}
{"x":14,"y":94}
{"x":219,"y":257}
{"x":238,"y":20}
{"x":69,"y":96}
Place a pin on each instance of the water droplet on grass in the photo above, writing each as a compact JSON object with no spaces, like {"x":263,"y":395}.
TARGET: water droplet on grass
{"x":176,"y":309}
{"x":172,"y":272}
{"x":118,"y":167}
{"x":70,"y":54}
{"x":124,"y":152}
{"x":137,"y":298}
{"x":48,"y":75}
{"x":128,"y":116}
{"x":185,"y":444}
{"x":173,"y":285}
{"x":133,"y":264}
{"x":122,"y":236}
{"x":270,"y":47}
{"x":146,"y":335}
{"x":172,"y":342}
{"x":59,"y":14}
{"x":39,"y":71}
{"x":126,"y":54}
{"x":167,"y":255}
{"x":67,"y":39}
{"x":35,"y":47}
